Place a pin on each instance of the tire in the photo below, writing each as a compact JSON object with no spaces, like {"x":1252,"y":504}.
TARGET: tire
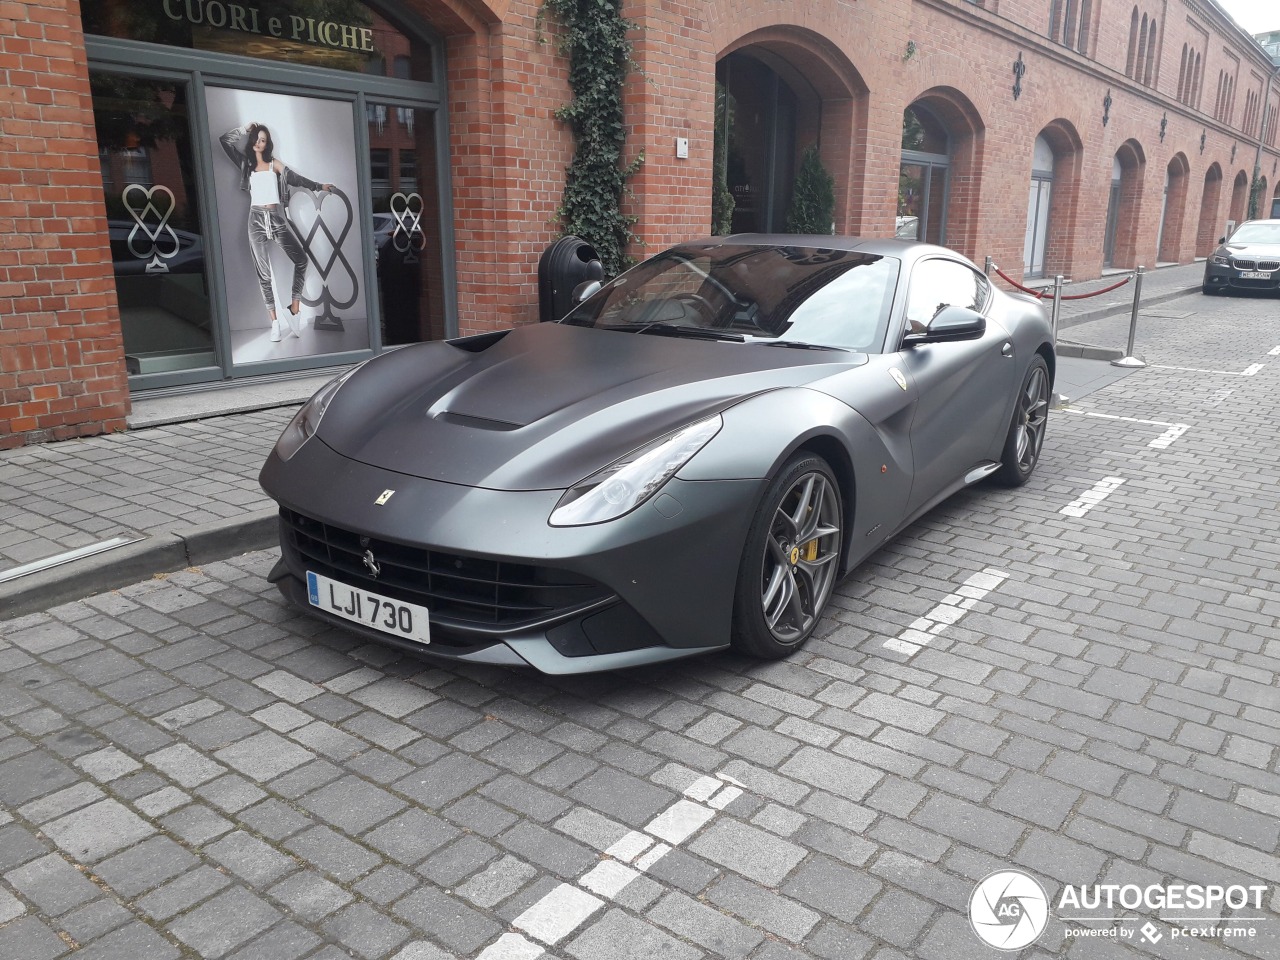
{"x":1207,"y":290}
{"x":1027,"y":427}
{"x":791,"y":560}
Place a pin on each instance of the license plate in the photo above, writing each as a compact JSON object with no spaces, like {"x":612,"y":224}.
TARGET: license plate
{"x":406,"y":620}
{"x":1255,"y":275}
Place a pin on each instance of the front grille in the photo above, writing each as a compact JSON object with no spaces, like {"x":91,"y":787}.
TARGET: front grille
{"x":1245,"y":264}
{"x":461,"y":589}
{"x":1269,"y":265}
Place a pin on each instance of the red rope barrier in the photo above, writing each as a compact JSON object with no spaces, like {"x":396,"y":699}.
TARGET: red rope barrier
{"x":1041,"y":294}
{"x":1038,"y":294}
{"x":1114,"y":286}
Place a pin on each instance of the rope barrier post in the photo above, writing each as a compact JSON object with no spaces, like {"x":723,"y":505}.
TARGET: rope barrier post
{"x":1057,"y":307}
{"x":986,"y":267}
{"x":1129,"y":360}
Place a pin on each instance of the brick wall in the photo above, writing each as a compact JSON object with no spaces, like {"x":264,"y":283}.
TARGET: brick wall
{"x":62,"y":370}
{"x":855,"y":66}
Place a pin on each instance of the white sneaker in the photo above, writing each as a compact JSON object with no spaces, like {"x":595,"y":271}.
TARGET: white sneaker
{"x":295,"y":324}
{"x":275,"y":331}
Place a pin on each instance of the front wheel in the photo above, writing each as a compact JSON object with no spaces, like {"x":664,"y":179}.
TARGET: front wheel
{"x":791,"y":560}
{"x":1027,"y":427}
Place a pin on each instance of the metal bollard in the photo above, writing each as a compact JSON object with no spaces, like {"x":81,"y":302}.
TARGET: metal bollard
{"x":986,"y":267}
{"x":1129,"y":360}
{"x":1057,"y":307}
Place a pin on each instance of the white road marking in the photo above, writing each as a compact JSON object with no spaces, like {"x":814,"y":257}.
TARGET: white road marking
{"x":949,"y":611}
{"x":1163,"y":441}
{"x":1092,"y":497}
{"x":558,"y":914}
{"x":1248,"y":371}
{"x":1274,"y":352}
{"x":1172,"y":430}
{"x":511,"y":946}
{"x":567,"y":906}
{"x":679,"y":821}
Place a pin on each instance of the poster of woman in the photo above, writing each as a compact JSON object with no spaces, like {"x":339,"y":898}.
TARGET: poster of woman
{"x":291,"y":240}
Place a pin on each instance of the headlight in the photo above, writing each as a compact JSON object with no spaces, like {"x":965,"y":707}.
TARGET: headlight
{"x":622,"y":486}
{"x":1222,"y":261}
{"x":307,"y":420}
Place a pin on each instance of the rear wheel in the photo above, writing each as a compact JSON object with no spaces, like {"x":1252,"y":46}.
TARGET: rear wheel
{"x":1027,"y":427}
{"x":791,"y":560}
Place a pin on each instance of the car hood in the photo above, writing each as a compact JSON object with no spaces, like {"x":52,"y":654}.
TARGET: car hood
{"x":542,"y":407}
{"x":1268,"y":250}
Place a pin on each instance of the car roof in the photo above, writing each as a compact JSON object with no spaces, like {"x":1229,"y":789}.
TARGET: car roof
{"x":882,"y":246}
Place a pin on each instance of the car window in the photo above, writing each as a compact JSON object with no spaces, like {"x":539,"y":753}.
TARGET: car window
{"x":1257,"y":233}
{"x":938,"y":283}
{"x":812,"y":295}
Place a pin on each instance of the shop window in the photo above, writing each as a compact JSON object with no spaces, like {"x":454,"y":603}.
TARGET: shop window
{"x":153,"y":219}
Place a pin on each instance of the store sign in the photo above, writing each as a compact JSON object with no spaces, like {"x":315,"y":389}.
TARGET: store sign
{"x":247,"y":19}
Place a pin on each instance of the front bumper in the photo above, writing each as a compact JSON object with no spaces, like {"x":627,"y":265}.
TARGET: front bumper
{"x":653,"y":585}
{"x":1219,"y":276}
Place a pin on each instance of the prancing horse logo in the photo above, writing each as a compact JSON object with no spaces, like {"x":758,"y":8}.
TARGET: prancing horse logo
{"x":384,"y":497}
{"x":371,"y":564}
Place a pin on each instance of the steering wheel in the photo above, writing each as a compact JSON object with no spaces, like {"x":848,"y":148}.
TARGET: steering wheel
{"x":700,"y":304}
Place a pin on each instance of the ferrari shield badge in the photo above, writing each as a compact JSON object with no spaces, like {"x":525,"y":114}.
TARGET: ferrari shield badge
{"x":384,"y":497}
{"x":898,"y":378}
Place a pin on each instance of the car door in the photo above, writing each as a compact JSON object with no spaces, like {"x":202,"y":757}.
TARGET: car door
{"x":963,"y":386}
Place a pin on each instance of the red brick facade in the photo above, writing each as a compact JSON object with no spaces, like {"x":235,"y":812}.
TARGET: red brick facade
{"x":1166,"y":87}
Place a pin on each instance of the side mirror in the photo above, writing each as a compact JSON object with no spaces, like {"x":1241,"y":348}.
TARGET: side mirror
{"x":1222,"y":239}
{"x":586,"y":290}
{"x":950,"y":324}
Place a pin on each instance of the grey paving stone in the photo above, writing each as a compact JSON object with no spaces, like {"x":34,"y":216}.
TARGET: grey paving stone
{"x":179,"y":894}
{"x":137,"y":941}
{"x":223,"y":923}
{"x":274,"y":820}
{"x":412,"y":836}
{"x":386,"y":884}
{"x":196,"y":824}
{"x":352,"y":804}
{"x":33,"y":775}
{"x":457,"y":861}
{"x":553,"y":852}
{"x":743,"y":849}
{"x":10,"y":907}
{"x":333,"y":853}
{"x":763,"y":908}
{"x":449,"y":920}
{"x":56,"y":804}
{"x":898,"y":917}
{"x":836,"y":774}
{"x":184,"y":765}
{"x":968,"y":823}
{"x":710,"y":929}
{"x":622,"y":796}
{"x":832,"y":888}
{"x":98,"y":830}
{"x":1035,"y":798}
{"x":366,"y":931}
{"x":497,"y":882}
{"x":619,"y":936}
{"x":265,"y":756}
{"x":52,"y":884}
{"x":249,"y":858}
{"x":30,"y":939}
{"x":447,"y":779}
{"x":284,"y":941}
{"x":684,"y":872}
{"x":145,"y":866}
{"x":310,"y":896}
{"x":93,"y":920}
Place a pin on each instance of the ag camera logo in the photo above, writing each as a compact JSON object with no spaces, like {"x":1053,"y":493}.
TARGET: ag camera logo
{"x":1008,"y":910}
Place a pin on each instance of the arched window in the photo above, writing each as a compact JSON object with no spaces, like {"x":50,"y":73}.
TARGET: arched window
{"x":1082,"y":42}
{"x":1133,"y":43}
{"x":1182,"y":75}
{"x":1139,"y":64}
{"x":1149,"y":75}
{"x":1195,"y":84}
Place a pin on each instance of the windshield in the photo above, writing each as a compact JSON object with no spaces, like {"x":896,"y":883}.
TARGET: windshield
{"x":1257,"y":233}
{"x":799,"y":295}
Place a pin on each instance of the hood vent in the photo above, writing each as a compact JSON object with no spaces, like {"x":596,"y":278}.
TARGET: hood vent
{"x":476,"y":423}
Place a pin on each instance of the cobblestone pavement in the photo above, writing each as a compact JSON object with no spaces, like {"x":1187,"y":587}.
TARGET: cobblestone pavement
{"x":1077,"y":679}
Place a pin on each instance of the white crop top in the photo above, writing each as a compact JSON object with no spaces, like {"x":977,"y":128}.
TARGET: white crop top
{"x":264,"y":189}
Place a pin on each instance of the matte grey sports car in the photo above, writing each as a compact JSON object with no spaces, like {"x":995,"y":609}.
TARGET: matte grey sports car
{"x":1248,"y":260}
{"x":688,"y":461}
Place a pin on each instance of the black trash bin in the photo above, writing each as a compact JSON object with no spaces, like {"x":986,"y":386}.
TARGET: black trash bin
{"x":564,"y":265}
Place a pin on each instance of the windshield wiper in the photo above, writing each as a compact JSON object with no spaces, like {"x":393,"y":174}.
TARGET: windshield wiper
{"x":664,"y":329}
{"x":799,"y":345}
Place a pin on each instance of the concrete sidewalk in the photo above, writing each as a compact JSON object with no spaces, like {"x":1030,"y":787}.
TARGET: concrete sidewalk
{"x":181,"y":485}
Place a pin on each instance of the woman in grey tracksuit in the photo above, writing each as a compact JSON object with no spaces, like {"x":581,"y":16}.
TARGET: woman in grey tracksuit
{"x":268,"y":181}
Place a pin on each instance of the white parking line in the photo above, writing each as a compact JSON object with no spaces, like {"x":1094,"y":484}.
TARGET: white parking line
{"x":1274,"y":352}
{"x":1172,"y":430}
{"x":567,"y":907}
{"x":1248,"y":371}
{"x":1092,"y":497}
{"x":951,"y":609}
